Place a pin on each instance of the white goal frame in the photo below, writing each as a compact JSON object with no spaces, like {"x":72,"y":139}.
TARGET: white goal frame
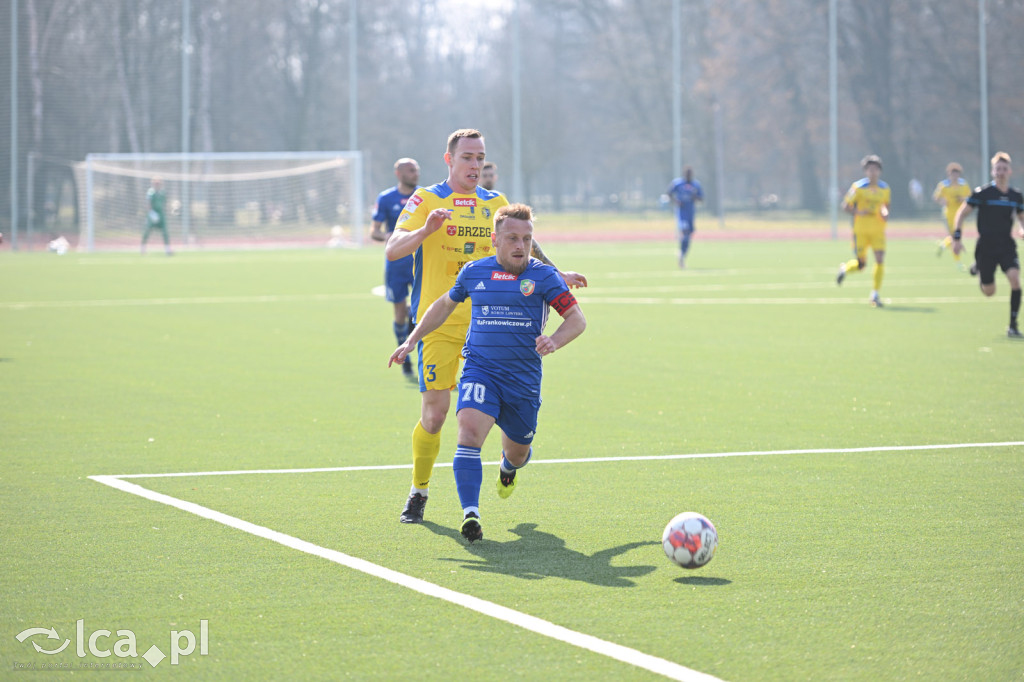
{"x":354,"y":200}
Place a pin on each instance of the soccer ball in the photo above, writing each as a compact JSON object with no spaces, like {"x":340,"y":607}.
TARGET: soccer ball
{"x":689,"y":540}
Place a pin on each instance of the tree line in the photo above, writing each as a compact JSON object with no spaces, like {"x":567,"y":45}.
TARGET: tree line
{"x":596,"y":79}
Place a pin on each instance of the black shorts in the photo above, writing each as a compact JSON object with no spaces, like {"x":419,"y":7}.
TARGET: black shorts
{"x":987,"y":259}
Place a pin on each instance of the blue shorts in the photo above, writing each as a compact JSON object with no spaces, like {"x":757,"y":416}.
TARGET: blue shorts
{"x":514,"y":410}
{"x":398,"y":279}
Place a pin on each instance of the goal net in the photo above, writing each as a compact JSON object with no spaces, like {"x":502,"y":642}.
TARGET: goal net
{"x":224,"y":200}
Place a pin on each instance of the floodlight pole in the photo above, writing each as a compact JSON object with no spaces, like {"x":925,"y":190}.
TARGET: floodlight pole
{"x":14,"y":125}
{"x":353,"y":76}
{"x":833,"y":118}
{"x":983,"y":77}
{"x":517,"y":105}
{"x":716,"y":108}
{"x":677,"y":89}
{"x":186,"y":123}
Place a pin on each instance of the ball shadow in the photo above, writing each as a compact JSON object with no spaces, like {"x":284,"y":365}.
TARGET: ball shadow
{"x":701,"y":580}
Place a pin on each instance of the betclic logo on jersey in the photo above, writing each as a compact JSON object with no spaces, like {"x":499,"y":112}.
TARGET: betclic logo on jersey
{"x":501,"y":275}
{"x":414,"y":201}
{"x":465,"y":202}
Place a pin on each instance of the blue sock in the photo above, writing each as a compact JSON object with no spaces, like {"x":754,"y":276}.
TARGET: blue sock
{"x":469,"y":474}
{"x":507,"y":467}
{"x":401,"y":331}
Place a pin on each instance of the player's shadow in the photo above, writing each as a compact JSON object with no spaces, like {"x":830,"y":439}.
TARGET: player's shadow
{"x":535,"y":555}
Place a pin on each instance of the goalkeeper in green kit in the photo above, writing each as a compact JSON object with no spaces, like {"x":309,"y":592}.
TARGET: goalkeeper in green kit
{"x":156,"y":217}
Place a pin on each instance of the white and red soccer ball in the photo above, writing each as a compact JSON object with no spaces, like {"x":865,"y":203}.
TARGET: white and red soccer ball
{"x":690,"y":540}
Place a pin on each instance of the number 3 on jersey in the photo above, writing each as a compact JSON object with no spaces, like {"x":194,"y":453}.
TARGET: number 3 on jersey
{"x":474,"y":392}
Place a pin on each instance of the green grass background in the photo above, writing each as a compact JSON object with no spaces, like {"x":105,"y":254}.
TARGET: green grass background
{"x":858,"y":566}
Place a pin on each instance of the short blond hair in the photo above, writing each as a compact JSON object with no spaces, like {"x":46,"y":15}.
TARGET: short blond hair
{"x":516,"y":211}
{"x":1000,"y":156}
{"x":453,"y":139}
{"x":871,"y":159}
{"x":953,"y":166}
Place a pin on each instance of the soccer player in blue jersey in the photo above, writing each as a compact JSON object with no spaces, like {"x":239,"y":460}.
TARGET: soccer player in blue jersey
{"x":446,"y":226}
{"x":397,"y":273}
{"x":998,"y":205}
{"x":685,"y":192}
{"x":510,"y":293}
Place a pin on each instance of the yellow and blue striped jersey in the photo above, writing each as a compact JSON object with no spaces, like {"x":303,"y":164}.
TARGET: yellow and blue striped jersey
{"x":864,"y":197}
{"x":465,"y":237}
{"x":954,"y":195}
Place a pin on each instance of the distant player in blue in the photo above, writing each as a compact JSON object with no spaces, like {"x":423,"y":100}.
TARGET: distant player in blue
{"x":510,"y":294}
{"x":398,"y":273}
{"x":685,"y":192}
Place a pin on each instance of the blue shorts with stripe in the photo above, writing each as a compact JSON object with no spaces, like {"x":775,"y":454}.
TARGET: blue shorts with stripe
{"x":513,"y":407}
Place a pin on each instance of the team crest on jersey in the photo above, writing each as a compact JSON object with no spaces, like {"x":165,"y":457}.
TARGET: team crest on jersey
{"x":486,"y":212}
{"x":468,"y":248}
{"x":485,"y":309}
{"x":527,"y":286}
{"x":452,"y":230}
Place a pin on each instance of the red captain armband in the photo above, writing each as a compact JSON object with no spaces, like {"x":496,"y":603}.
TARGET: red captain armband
{"x":563,"y":302}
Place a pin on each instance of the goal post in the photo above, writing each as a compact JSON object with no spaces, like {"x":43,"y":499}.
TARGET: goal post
{"x":224,"y":200}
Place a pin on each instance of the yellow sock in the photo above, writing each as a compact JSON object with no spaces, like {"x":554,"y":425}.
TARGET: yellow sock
{"x":879,"y":272}
{"x":852,"y":265}
{"x":425,"y":447}
{"x":947,"y":242}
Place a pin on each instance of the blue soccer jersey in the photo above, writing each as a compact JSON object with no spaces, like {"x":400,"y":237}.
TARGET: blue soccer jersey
{"x":509,"y":313}
{"x":398,"y":275}
{"x":389,"y":206}
{"x":686,"y":193}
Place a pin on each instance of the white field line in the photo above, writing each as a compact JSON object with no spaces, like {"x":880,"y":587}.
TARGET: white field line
{"x":751,"y":286}
{"x":584,"y":298}
{"x":827,"y":274}
{"x":860,"y":300}
{"x":181,"y":300}
{"x":582,"y":460}
{"x":525,"y":621}
{"x":538,"y":625}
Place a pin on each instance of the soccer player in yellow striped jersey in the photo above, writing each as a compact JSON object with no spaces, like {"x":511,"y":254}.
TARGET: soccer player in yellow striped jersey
{"x":949,"y":194}
{"x":445,"y":226}
{"x":868,"y":202}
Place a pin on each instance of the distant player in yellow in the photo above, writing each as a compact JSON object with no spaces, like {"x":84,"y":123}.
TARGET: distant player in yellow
{"x":949,"y":194}
{"x":868,"y":203}
{"x":445,"y":226}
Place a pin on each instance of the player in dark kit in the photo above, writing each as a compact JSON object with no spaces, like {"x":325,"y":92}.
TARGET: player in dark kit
{"x":997,"y":204}
{"x":500,"y":383}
